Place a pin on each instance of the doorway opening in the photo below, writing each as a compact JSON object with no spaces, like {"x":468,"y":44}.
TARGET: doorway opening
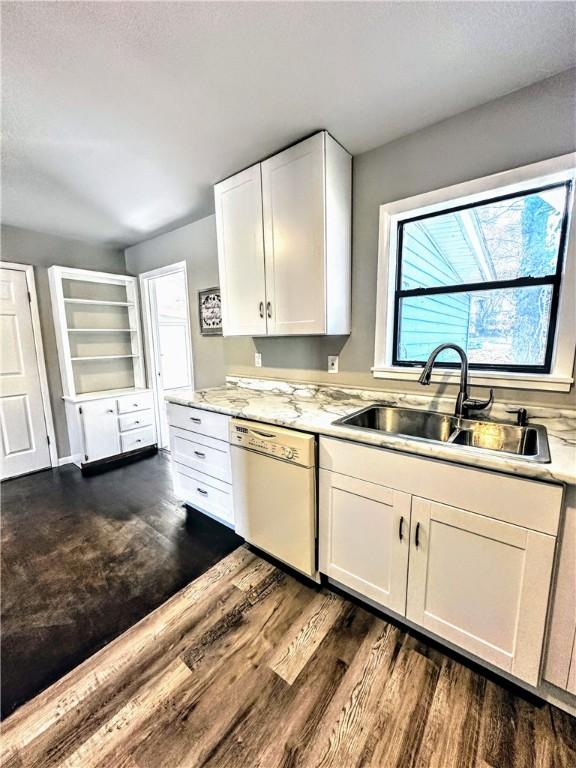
{"x":168,"y":338}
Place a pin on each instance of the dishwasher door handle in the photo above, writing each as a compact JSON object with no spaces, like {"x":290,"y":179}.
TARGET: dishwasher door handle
{"x":268,"y":435}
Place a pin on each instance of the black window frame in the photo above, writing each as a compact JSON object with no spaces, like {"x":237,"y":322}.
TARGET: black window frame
{"x":554,"y":280}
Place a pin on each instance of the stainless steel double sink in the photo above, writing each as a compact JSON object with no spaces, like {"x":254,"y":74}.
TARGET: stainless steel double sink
{"x":529,"y":442}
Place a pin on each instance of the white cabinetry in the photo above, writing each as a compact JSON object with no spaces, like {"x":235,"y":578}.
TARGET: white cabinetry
{"x":97,"y":323}
{"x":284,"y":242}
{"x":481,"y":584}
{"x":465,"y":569}
{"x":365,"y":531}
{"x":238,"y":204}
{"x":200,"y":454}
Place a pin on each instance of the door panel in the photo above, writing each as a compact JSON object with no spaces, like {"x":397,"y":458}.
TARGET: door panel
{"x":481,"y":584}
{"x":238,"y":202}
{"x":23,"y":427}
{"x":101,"y":436}
{"x":294,"y":233}
{"x":364,"y":538}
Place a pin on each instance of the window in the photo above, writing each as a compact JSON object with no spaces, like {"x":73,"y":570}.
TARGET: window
{"x":484,"y":269}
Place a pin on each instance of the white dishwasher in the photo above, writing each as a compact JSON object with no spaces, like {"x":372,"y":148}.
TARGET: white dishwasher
{"x":274,"y":489}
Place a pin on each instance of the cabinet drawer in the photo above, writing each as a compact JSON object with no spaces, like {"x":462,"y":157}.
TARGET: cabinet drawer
{"x":529,"y":503}
{"x":201,"y":453}
{"x":135,"y":420}
{"x":131,"y":403}
{"x":139,"y":438}
{"x":197,"y":420}
{"x":203,"y":492}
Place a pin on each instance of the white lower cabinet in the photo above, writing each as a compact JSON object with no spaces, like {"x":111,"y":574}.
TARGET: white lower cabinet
{"x":365,"y":536}
{"x":466,"y":572}
{"x":481,"y":584}
{"x":100,"y":429}
{"x":200,"y":454}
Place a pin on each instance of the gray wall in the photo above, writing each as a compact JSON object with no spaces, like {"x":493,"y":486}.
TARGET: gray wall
{"x":196,"y":245}
{"x":529,"y":125}
{"x":23,"y":246}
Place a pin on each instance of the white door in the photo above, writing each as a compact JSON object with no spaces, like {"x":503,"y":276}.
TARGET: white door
{"x":238,"y":202}
{"x":365,"y":537}
{"x":481,"y":584}
{"x":171,"y":347}
{"x":24,"y":436}
{"x":294,"y":236}
{"x":100,"y":427}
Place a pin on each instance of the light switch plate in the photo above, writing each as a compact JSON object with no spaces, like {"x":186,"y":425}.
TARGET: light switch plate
{"x":332,"y":363}
{"x":258,"y":359}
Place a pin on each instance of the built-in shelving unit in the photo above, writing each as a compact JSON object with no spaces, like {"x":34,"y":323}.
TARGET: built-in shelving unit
{"x":98,"y":331}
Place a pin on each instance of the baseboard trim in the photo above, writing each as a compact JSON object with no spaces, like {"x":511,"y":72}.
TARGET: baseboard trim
{"x":68,"y":460}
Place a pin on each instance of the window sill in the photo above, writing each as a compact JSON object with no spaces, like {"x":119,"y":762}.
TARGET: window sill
{"x":539,"y":382}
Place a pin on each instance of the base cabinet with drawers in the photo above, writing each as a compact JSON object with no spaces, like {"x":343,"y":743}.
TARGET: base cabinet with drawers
{"x":201,"y":467}
{"x":107,"y":426}
{"x":442,"y":546}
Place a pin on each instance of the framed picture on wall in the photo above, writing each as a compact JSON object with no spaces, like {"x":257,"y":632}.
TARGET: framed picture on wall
{"x":210,"y":309}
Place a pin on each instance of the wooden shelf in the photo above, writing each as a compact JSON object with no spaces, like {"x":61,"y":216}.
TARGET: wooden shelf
{"x":100,"y":302}
{"x":101,"y":330}
{"x":101,"y":357}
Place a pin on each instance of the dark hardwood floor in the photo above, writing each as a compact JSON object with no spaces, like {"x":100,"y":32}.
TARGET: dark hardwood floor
{"x":83,"y":559}
{"x":248,"y":667}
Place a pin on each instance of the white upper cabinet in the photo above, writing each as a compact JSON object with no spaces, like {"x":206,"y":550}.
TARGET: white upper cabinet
{"x":238,"y":203}
{"x":284,"y":243}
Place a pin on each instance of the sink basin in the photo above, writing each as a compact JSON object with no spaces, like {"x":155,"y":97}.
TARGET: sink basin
{"x":529,"y":442}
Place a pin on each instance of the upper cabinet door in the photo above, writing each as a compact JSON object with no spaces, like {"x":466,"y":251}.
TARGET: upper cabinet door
{"x":481,"y":584}
{"x":293,"y":196}
{"x":238,"y":202}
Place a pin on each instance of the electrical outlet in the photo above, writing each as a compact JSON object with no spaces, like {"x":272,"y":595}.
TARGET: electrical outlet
{"x":257,"y":359}
{"x":332,"y":363}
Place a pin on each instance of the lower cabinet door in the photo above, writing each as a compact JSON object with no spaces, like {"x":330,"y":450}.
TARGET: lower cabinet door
{"x":100,"y":429}
{"x":481,"y":584}
{"x":365,"y":537}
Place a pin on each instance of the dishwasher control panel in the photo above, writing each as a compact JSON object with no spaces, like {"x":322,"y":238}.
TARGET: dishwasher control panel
{"x":281,"y":443}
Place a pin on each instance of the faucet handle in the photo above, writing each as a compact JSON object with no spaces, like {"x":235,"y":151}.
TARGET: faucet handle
{"x":521,"y":416}
{"x":471,"y":404}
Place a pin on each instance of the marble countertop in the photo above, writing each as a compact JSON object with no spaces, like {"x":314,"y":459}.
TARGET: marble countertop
{"x":314,"y":408}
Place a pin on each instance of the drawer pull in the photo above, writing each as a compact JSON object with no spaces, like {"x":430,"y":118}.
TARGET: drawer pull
{"x":135,"y":405}
{"x":137,"y":421}
{"x":195,"y":419}
{"x":202,"y":491}
{"x":200,"y":455}
{"x":401,"y":529}
{"x":139,"y":440}
{"x":417,"y":536}
{"x":110,"y":410}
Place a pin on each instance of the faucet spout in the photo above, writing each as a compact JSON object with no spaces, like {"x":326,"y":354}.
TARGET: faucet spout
{"x":464,"y":403}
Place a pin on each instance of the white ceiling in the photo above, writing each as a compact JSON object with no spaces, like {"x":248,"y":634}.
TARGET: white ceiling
{"x":119,"y":116}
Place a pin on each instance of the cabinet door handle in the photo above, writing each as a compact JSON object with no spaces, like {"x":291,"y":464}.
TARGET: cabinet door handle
{"x":269,"y":309}
{"x":417,"y":536}
{"x":401,"y":528}
{"x":202,"y":491}
{"x":200,"y":455}
{"x":261,"y":309}
{"x":195,"y":419}
{"x":110,"y":410}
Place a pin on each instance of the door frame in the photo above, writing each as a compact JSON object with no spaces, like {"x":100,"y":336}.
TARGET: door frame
{"x":144,"y":279}
{"x":28,"y":270}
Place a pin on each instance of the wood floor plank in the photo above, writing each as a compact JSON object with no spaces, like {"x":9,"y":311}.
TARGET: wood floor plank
{"x":342,"y":734}
{"x":96,"y":751}
{"x":196,"y":686}
{"x":396,"y":735}
{"x":458,"y":699}
{"x":66,"y":707}
{"x":305,"y":637}
{"x":207,"y":710}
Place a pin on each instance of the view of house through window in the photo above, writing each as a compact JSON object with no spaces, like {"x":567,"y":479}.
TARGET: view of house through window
{"x":485,"y":276}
